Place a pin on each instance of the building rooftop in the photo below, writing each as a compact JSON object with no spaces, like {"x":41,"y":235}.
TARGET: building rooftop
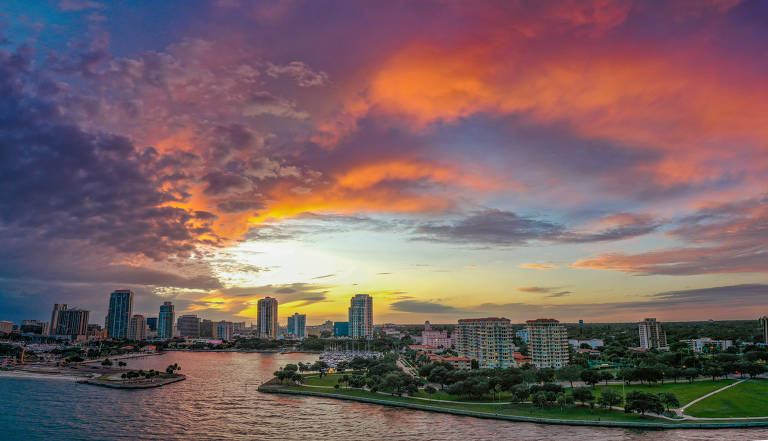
{"x":486,"y":319}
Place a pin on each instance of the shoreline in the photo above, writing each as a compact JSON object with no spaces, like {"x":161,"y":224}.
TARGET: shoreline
{"x":272,"y":389}
{"x":42,"y":375}
{"x":134,"y":386}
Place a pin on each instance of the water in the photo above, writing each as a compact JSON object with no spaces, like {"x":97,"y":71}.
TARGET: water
{"x":219,"y":401}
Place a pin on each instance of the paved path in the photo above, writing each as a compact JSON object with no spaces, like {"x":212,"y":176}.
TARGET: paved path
{"x":681,"y":411}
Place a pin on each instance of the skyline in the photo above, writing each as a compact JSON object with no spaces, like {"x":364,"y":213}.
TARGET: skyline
{"x":606,"y":161}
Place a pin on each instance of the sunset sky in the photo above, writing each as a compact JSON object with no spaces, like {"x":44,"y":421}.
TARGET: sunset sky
{"x":598,"y":160}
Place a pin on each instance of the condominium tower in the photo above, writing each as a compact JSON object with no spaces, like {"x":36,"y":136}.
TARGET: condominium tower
{"x":71,"y":323}
{"x":548,"y":345}
{"x":297,"y":324}
{"x":137,"y":328}
{"x":165,"y":321}
{"x":266,"y":321}
{"x":651,"y":334}
{"x":119,"y":313}
{"x":361,"y":316}
{"x":487,"y":340}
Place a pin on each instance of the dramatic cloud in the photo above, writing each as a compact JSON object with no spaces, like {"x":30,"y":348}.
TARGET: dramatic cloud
{"x":422,"y":307}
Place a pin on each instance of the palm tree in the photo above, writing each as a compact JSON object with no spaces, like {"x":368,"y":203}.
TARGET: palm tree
{"x":298,"y":378}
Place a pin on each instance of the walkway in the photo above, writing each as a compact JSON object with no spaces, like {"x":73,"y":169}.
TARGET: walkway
{"x":681,"y":410}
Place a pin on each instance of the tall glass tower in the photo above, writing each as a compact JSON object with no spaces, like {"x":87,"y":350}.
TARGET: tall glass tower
{"x":165,"y":321}
{"x":120,"y":313}
{"x":361,"y":316}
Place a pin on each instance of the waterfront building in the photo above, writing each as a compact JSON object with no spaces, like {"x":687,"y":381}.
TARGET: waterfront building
{"x":119,"y":313}
{"x":54,"y":323}
{"x":593,"y":343}
{"x":548,"y":345}
{"x":361,"y":316}
{"x":764,"y":327}
{"x":266,"y":320}
{"x":341,"y":329}
{"x":651,"y":334}
{"x":165,"y":321}
{"x":207,"y":330}
{"x":324,"y":330}
{"x":152,"y":324}
{"x":188,"y":326}
{"x":224,"y":330}
{"x":34,"y":327}
{"x":487,"y":340}
{"x":706,"y":344}
{"x":434,"y":338}
{"x":522,"y":334}
{"x":6,"y":327}
{"x":238,"y":328}
{"x":70,"y":323}
{"x":297,"y":324}
{"x":137,"y":329}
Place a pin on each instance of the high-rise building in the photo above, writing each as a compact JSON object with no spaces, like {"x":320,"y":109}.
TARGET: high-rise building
{"x":430,"y":337}
{"x":548,"y":343}
{"x":238,"y":328}
{"x":764,"y":327}
{"x":487,"y":340}
{"x":651,"y":334}
{"x":341,"y":329}
{"x":119,"y":313}
{"x":188,"y":326}
{"x":267,"y":318}
{"x":152,"y":324}
{"x":224,"y":330}
{"x":137,"y":328}
{"x":297,"y":324}
{"x":361,"y":316}
{"x":70,"y":323}
{"x":165,"y":321}
{"x":54,"y":324}
{"x":207,"y":330}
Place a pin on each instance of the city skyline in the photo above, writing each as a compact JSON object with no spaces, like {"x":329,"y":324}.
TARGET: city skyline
{"x":604,"y":161}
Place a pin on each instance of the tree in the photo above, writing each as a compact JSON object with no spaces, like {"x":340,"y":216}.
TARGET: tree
{"x":642,"y":402}
{"x":539,"y":399}
{"x":520,"y":393}
{"x":691,"y":374}
{"x":609,"y":398}
{"x":570,"y":373}
{"x":545,"y":375}
{"x":342,"y":366}
{"x":714,"y":370}
{"x":583,"y":395}
{"x":430,"y":390}
{"x":474,"y":364}
{"x":122,"y":364}
{"x":590,"y":377}
{"x":670,"y":400}
{"x":605,"y":376}
{"x":106,"y":362}
{"x":172,"y":368}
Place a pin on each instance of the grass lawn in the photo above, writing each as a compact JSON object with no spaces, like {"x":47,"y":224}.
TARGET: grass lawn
{"x":684,"y":391}
{"x":748,"y":399}
{"x":575,"y":412}
{"x":442,"y":395}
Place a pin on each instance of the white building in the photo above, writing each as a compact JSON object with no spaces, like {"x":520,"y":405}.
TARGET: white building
{"x":651,"y":334}
{"x":548,"y":343}
{"x":593,"y":343}
{"x":706,"y":344}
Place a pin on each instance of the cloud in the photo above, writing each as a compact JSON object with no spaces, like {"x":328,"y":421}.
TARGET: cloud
{"x":551,"y":291}
{"x":300,"y":72}
{"x":417,"y":306}
{"x":264,"y":103}
{"x":537,"y":266}
{"x":493,"y":227}
{"x":724,"y":238}
{"x":79,"y":5}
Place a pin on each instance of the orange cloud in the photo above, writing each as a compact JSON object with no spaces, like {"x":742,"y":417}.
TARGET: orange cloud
{"x":537,"y":266}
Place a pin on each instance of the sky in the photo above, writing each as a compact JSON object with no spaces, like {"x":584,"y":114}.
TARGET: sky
{"x":599,"y":160}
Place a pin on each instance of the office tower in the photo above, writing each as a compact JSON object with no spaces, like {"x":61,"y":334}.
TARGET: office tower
{"x":207,"y":330}
{"x":764,"y":328}
{"x":119,"y":313}
{"x":224,"y":330}
{"x":341,"y":329}
{"x":137,"y":328}
{"x":188,"y":326}
{"x":548,"y":345}
{"x":152,"y":323}
{"x":267,"y":318}
{"x":165,"y":321}
{"x":651,"y":334}
{"x":71,"y":323}
{"x":361,"y":316}
{"x":55,"y":317}
{"x":297,"y":325}
{"x":487,"y":340}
